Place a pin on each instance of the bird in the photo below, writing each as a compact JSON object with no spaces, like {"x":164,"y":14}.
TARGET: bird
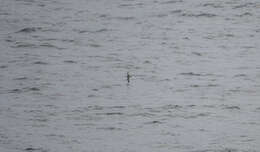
{"x":128,"y":77}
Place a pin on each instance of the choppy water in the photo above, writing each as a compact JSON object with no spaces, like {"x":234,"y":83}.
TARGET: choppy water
{"x":195,"y":67}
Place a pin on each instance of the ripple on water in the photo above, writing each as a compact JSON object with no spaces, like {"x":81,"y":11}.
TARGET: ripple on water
{"x":33,"y":149}
{"x":207,"y":15}
{"x":22,"y":90}
{"x":29,"y":30}
{"x":3,"y":66}
{"x":171,"y":2}
{"x":40,"y":63}
{"x":69,"y":61}
{"x":230,"y":107}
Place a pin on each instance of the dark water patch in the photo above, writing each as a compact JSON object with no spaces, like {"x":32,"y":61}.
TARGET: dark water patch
{"x":31,"y":149}
{"x":15,"y":91}
{"x":154,"y":122}
{"x":197,"y":115}
{"x":257,"y":109}
{"x":147,"y":62}
{"x":195,"y":86}
{"x":101,"y":30}
{"x":29,"y":30}
{"x":110,"y":113}
{"x":168,"y":107}
{"x":212,"y":5}
{"x":197,"y":53}
{"x":246,"y":5}
{"x":125,"y":18}
{"x":118,"y":107}
{"x":131,"y":5}
{"x":209,"y":15}
{"x":97,"y":31}
{"x":39,"y":120}
{"x":245,"y":14}
{"x":40,"y":63}
{"x":95,"y":45}
{"x":55,"y":135}
{"x":27,"y":89}
{"x":165,"y":80}
{"x":9,"y":40}
{"x":231,"y":107}
{"x":103,"y":16}
{"x":92,"y":96}
{"x":24,"y":45}
{"x":48,"y":45}
{"x":235,"y":90}
{"x":125,"y":5}
{"x":191,"y":106}
{"x":175,"y":11}
{"x":161,"y":15}
{"x":110,"y":128}
{"x":191,"y":74}
{"x":4,"y":14}
{"x":220,"y":150}
{"x":142,"y":114}
{"x":239,"y":75}
{"x":96,"y":107}
{"x":20,"y":78}
{"x":69,"y":61}
{"x":172,"y":2}
{"x":33,"y":111}
{"x":33,"y":89}
{"x":85,"y":124}
{"x":3,"y":66}
{"x":229,"y":35}
{"x":95,"y":89}
{"x":67,"y":40}
{"x":26,"y":1}
{"x":153,"y":110}
{"x":212,"y":85}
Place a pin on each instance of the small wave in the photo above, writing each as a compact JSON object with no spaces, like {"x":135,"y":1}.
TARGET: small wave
{"x":244,"y":5}
{"x":191,"y":74}
{"x":168,"y":107}
{"x":94,"y":31}
{"x":111,"y":113}
{"x":110,"y":128}
{"x":24,"y":45}
{"x":245,"y":14}
{"x":154,"y":122}
{"x":131,"y":5}
{"x":69,"y":61}
{"x":175,"y":11}
{"x":197,"y":53}
{"x":48,"y":45}
{"x":231,"y":107}
{"x":239,"y":75}
{"x":31,"y":149}
{"x":27,"y":89}
{"x":40,"y":62}
{"x":3,"y":66}
{"x":172,"y":2}
{"x":29,"y":30}
{"x":126,"y":18}
{"x":209,"y":15}
{"x":95,"y":45}
{"x":197,"y":115}
{"x":20,"y":78}
{"x":212,"y":5}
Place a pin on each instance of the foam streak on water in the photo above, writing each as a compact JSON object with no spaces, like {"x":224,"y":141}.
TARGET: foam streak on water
{"x":194,"y":67}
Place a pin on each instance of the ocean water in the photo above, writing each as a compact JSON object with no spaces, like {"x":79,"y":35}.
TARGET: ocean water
{"x":194,"y":67}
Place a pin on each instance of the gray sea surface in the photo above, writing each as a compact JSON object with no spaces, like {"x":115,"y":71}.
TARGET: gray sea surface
{"x":194,"y":70}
